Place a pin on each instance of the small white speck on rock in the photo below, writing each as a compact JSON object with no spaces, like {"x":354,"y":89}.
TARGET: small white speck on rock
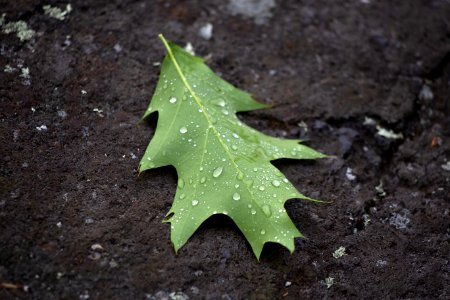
{"x":426,"y":93}
{"x":349,"y":174}
{"x":339,"y":252}
{"x":62,"y":114}
{"x":206,"y":31}
{"x":446,"y":166}
{"x":96,"y":247}
{"x":118,"y":48}
{"x":113,"y":264}
{"x":42,"y":128}
{"x":329,"y":281}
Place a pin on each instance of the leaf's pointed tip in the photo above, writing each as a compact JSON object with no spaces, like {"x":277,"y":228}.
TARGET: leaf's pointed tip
{"x":314,"y":200}
{"x":328,"y":156}
{"x":264,"y":105}
{"x":176,"y":248}
{"x":143,"y":167}
{"x":258,"y":254}
{"x":322,"y":155}
{"x":260,"y":105}
{"x":303,"y":197}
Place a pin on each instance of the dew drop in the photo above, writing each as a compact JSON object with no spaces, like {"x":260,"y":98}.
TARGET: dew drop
{"x":263,"y":232}
{"x":266,"y":209}
{"x":225,"y":112}
{"x":236,"y":196}
{"x":201,"y":169}
{"x":276,"y":183}
{"x":235,"y":135}
{"x":203,"y":179}
{"x":240,"y":176}
{"x":181,"y":183}
{"x":217,"y":172}
{"x":225,"y":212}
{"x":255,"y":169}
{"x":234,"y":147}
{"x":221,"y":103}
{"x":182,"y":196}
{"x":285,"y":180}
{"x":183,"y":129}
{"x":261,"y":188}
{"x":184,"y":98}
{"x":253,"y":212}
{"x":194,"y":202}
{"x":173,"y":100}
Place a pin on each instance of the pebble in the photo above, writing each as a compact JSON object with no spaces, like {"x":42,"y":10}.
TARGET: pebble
{"x":446,"y":166}
{"x":42,"y":128}
{"x":206,"y":31}
{"x":96,"y":247}
{"x":426,"y":93}
{"x":349,"y":174}
{"x":62,"y":114}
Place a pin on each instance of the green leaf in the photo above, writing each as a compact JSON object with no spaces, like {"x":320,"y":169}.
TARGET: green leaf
{"x":223,"y":165}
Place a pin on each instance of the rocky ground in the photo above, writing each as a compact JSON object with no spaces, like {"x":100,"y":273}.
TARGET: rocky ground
{"x":365,"y":80}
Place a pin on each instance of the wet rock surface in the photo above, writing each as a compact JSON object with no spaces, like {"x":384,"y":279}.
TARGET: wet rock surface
{"x":77,"y":222}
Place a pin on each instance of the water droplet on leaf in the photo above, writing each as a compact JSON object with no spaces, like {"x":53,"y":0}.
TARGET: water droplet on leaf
{"x":266,"y":209}
{"x":194,"y":202}
{"x":180,"y":183}
{"x":236,"y":196}
{"x":217,"y":172}
{"x":183,"y":129}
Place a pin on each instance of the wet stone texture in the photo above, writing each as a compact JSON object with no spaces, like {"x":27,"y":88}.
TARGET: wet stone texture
{"x":367,"y":81}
